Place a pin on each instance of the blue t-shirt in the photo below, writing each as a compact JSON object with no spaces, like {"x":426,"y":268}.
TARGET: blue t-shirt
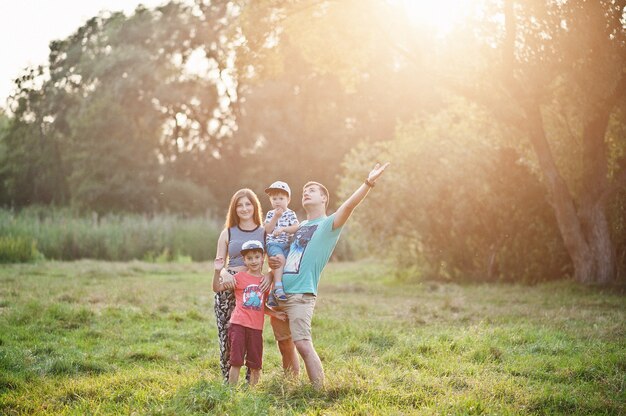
{"x":308,"y":254}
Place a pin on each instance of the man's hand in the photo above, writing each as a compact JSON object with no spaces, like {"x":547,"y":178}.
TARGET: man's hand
{"x":275,"y":262}
{"x":376,"y":172}
{"x":278,"y":231}
{"x":280,"y":315}
{"x":345,"y":210}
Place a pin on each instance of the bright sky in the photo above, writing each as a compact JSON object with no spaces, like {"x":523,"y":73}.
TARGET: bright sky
{"x":28,"y":26}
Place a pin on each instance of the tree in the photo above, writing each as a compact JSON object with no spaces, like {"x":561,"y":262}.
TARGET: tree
{"x":306,"y":103}
{"x":121,"y":102}
{"x":458,"y":202}
{"x":567,"y":58}
{"x":554,"y":70}
{"x":31,"y":167}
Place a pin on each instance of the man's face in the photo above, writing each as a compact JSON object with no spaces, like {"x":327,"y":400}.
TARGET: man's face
{"x":279,"y":200}
{"x":253,"y":260}
{"x":312,"y":195}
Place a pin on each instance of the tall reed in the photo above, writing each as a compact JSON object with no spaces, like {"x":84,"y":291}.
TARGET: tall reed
{"x":60,"y":234}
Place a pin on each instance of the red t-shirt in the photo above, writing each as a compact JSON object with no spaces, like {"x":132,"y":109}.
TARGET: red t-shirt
{"x":249,"y":302}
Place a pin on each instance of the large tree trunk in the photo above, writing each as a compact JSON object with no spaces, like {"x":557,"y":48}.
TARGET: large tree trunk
{"x":592,"y":203}
{"x":598,"y":235}
{"x":586,"y":232}
{"x":562,"y":201}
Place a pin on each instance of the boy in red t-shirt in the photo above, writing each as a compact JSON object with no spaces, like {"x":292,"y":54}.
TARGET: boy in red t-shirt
{"x":246,"y":323}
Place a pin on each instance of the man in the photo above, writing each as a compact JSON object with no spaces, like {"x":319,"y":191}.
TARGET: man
{"x":308,"y":255}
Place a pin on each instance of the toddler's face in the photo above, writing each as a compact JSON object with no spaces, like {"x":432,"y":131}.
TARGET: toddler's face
{"x":279,"y":200}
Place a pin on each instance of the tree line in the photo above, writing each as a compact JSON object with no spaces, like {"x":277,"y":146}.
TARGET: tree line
{"x":506,"y":135}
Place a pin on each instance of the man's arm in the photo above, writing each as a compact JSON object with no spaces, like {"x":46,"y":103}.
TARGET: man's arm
{"x":276,"y":314}
{"x":345,"y":210}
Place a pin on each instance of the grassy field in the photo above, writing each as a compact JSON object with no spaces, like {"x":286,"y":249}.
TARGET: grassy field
{"x":93,"y":337}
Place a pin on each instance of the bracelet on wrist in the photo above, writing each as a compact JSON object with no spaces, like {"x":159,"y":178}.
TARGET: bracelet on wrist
{"x":370,"y":184}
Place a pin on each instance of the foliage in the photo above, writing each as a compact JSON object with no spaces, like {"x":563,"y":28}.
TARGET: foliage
{"x":185,"y":197}
{"x":18,"y":250}
{"x":104,"y":123}
{"x":174,"y":108}
{"x":4,"y":123}
{"x":329,"y":82}
{"x":458,"y":200}
{"x":110,"y":338}
{"x":555,"y":71}
{"x":62,"y":235}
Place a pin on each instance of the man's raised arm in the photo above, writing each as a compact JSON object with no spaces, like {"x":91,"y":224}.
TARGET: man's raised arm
{"x":345,"y":210}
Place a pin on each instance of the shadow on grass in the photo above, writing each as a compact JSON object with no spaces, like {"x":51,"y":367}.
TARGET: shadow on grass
{"x":271,"y":396}
{"x":214,"y":397}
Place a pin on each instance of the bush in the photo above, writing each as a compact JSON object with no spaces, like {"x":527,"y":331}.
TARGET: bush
{"x":457,"y":203}
{"x":18,"y":250}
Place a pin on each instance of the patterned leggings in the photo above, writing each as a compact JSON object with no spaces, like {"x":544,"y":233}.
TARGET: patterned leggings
{"x":224,"y":305}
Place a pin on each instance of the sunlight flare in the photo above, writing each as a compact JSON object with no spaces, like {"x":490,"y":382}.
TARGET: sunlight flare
{"x":441,"y":15}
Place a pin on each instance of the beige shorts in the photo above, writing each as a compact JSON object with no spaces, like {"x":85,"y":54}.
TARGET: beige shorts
{"x":299,"y":308}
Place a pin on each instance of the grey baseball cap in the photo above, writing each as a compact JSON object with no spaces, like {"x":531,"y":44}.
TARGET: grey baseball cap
{"x":279,"y":185}
{"x":251,"y":245}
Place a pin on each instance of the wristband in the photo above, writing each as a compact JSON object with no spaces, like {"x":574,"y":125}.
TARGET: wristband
{"x":370,"y":184}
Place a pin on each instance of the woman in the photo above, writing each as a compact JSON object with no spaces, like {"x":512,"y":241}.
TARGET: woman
{"x":243,"y":223}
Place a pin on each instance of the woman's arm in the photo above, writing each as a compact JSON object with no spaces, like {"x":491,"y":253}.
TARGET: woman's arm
{"x":226,"y":281}
{"x":217,"y":285}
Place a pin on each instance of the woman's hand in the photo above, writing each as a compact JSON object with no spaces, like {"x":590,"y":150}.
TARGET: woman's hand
{"x":266,"y":282}
{"x":218,"y":263}
{"x":227,"y":280}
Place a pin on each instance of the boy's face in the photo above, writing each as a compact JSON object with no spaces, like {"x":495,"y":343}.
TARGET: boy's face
{"x":279,"y":199}
{"x":253,"y":260}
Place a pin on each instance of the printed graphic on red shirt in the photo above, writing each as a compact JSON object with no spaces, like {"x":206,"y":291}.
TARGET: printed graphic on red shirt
{"x":252,"y":297}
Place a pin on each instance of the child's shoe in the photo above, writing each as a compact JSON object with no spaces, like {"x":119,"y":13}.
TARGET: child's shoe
{"x":279,"y":292}
{"x":271,"y":300}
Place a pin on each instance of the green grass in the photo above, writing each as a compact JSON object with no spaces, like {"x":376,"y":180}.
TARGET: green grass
{"x":118,"y":338}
